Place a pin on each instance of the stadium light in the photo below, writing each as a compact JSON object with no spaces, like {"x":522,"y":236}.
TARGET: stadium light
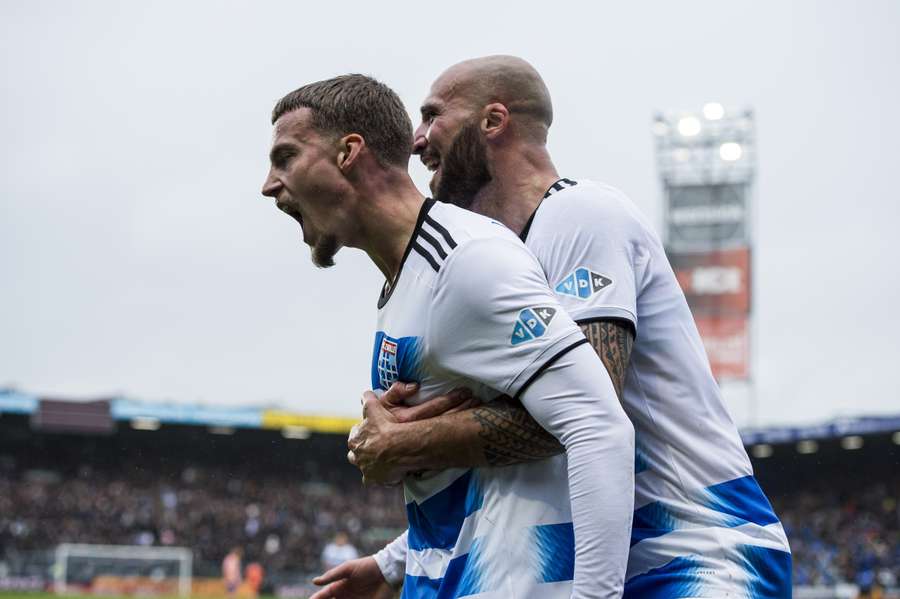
{"x":221,"y":430}
{"x":808,"y":446}
{"x":852,"y":442}
{"x":763,"y":450}
{"x":730,"y":151}
{"x":145,"y":424}
{"x":896,"y":438}
{"x":295,"y":432}
{"x":689,"y":126}
{"x":713,"y":111}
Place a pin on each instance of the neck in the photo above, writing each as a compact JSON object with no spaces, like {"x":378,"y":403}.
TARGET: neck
{"x":389,"y":209}
{"x":521,"y":176}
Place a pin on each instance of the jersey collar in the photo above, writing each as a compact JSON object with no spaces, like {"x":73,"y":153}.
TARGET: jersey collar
{"x":389,"y":286}
{"x":559,"y":185}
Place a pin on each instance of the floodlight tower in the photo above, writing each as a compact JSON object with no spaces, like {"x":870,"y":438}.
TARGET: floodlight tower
{"x":707,"y":165}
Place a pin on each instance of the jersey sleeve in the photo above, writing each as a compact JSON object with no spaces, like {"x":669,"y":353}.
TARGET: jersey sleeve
{"x":493,"y":318}
{"x":392,"y":560}
{"x":574,"y":400}
{"x":594,"y":249}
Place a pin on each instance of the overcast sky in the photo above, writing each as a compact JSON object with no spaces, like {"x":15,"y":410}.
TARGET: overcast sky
{"x":138,"y":257}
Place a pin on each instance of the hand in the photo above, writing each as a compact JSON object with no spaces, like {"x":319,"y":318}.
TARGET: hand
{"x":357,"y":579}
{"x":395,"y":398}
{"x":374,"y":442}
{"x":369,"y":441}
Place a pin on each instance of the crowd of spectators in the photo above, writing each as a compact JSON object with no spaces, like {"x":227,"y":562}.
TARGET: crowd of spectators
{"x":844,"y":534}
{"x":283,"y":519}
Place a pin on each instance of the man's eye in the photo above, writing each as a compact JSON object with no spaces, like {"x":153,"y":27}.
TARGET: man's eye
{"x":281,"y":158}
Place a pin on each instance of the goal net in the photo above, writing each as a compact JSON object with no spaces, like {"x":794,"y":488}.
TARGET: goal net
{"x":123,"y":570}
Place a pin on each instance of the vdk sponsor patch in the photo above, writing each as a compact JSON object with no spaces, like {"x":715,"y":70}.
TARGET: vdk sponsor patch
{"x":532,"y":323}
{"x":582,"y":283}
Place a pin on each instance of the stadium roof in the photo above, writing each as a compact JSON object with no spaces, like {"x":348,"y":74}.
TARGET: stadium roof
{"x":124,"y":409}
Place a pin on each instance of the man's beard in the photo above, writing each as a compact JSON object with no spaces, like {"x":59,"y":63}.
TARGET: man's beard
{"x":324,"y":250}
{"x":464,"y":170}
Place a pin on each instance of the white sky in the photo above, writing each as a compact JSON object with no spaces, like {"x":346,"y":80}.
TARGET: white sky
{"x":138,"y":257}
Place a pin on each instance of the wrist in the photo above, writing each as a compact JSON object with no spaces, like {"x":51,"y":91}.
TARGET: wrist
{"x":408,"y":446}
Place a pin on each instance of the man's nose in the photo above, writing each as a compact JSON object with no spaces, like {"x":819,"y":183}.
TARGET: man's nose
{"x":271,"y":186}
{"x":420,"y":141}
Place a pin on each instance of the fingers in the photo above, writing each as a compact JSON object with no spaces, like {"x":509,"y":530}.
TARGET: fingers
{"x":466,"y":405}
{"x":367,"y":398}
{"x":398,"y":394}
{"x":332,"y":591}
{"x":435,"y":406}
{"x":336,"y":573}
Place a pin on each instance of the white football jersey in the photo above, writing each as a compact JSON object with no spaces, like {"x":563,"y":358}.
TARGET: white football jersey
{"x":702,"y":526}
{"x":485,"y":532}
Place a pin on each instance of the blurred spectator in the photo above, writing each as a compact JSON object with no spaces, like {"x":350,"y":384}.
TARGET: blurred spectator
{"x":231,"y":570}
{"x":338,"y":551}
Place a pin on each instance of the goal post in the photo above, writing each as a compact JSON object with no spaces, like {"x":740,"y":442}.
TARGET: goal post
{"x":76,"y":564}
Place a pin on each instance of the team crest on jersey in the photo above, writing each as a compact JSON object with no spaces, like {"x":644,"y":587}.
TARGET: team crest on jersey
{"x":388,"y":373}
{"x":583,"y":283}
{"x":395,"y":359}
{"x":532,"y":323}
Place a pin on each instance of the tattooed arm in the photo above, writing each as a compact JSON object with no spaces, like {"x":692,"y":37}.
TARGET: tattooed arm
{"x":508,"y":433}
{"x":612,"y":339}
{"x":499,"y":433}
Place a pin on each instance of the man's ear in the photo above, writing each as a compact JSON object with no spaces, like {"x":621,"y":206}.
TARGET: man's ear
{"x":349,"y":148}
{"x":495,"y":120}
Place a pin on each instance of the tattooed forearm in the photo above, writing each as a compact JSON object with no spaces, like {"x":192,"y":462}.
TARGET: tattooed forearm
{"x":511,"y":436}
{"x":613,"y":340}
{"x":508,"y":433}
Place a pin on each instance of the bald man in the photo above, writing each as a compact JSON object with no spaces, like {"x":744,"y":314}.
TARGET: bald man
{"x":702,"y":527}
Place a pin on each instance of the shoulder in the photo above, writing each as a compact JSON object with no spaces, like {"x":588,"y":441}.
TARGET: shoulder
{"x":483,"y":263}
{"x":451,"y":234}
{"x":586,"y":205}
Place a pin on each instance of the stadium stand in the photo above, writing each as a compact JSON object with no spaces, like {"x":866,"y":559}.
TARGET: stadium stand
{"x":283,"y":497}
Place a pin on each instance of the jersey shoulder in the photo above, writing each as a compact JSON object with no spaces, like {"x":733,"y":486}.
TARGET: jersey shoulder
{"x":586,"y":205}
{"x":445,"y":229}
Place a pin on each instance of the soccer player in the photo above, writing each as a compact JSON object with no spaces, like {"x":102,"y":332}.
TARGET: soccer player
{"x":702,"y":526}
{"x":464,"y":304}
{"x":231,"y":570}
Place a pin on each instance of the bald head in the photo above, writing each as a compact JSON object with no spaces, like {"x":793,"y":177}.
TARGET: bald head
{"x":508,"y":80}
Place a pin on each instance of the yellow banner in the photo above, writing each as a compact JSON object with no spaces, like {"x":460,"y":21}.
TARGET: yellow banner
{"x":316,"y":424}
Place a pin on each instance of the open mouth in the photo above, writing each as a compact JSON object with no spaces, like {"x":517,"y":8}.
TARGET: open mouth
{"x":290,"y":211}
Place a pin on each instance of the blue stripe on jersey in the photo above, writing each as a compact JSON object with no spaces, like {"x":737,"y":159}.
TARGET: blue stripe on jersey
{"x":641,"y":462}
{"x":732,"y":503}
{"x":742,"y":499}
{"x":769,"y":571}
{"x":463,"y":577}
{"x":435,"y":523}
{"x":555,"y":546}
{"x":652,"y":520}
{"x":395,"y":360}
{"x":420,"y":587}
{"x":678,"y":578}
